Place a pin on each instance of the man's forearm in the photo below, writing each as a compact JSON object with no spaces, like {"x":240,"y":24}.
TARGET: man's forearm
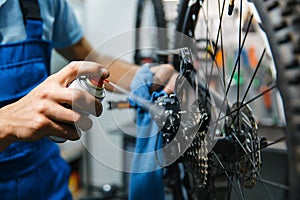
{"x":121,"y":72}
{"x":5,"y":136}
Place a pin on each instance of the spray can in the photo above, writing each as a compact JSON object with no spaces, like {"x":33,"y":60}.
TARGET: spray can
{"x":93,"y":85}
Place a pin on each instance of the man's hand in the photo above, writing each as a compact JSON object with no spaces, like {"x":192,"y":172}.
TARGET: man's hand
{"x":43,"y":111}
{"x":164,"y":76}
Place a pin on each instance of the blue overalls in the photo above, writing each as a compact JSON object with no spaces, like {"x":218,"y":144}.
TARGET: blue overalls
{"x":29,"y":170}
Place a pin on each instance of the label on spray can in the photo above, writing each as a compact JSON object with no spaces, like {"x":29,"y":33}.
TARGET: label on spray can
{"x":92,"y":85}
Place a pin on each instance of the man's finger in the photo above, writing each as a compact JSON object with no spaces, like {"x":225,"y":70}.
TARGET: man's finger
{"x":80,"y":68}
{"x":162,"y":74}
{"x":170,"y":86}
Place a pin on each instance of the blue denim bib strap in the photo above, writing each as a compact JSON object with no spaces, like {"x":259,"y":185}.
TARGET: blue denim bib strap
{"x":24,"y":64}
{"x":30,"y":9}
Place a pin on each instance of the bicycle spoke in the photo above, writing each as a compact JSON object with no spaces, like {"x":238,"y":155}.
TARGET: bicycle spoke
{"x":222,"y":44}
{"x":239,"y":65}
{"x":209,"y":35}
{"x":237,"y":173}
{"x":248,"y":102}
{"x":264,"y":147}
{"x":240,"y":188}
{"x":268,"y":182}
{"x":229,"y":190}
{"x":238,"y":57}
{"x":225,"y":171}
{"x":217,"y":38}
{"x":274,"y":184}
{"x":254,"y":75}
{"x":233,"y":72}
{"x":253,"y":164}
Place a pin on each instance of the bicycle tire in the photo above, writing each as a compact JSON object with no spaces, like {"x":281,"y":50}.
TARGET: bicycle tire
{"x":280,"y":20}
{"x":158,"y":18}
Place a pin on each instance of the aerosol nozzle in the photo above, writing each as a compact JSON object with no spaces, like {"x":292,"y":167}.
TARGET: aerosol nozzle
{"x":96,"y":82}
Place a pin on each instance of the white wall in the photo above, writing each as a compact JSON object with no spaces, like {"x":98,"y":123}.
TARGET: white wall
{"x":105,"y":19}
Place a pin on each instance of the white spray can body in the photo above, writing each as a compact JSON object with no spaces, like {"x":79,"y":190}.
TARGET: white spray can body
{"x":92,"y":85}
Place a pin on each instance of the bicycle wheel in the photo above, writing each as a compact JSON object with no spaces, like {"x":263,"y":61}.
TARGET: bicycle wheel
{"x":148,"y":40}
{"x":251,"y":61}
